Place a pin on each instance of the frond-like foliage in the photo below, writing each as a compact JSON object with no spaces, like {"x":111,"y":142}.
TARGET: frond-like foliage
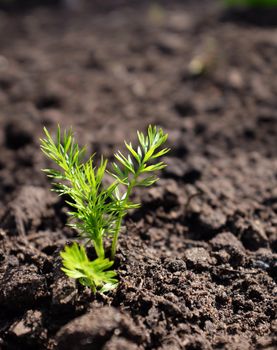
{"x":140,"y":160}
{"x":93,"y":211}
{"x":93,"y":274}
{"x":98,"y":210}
{"x":134,"y":168}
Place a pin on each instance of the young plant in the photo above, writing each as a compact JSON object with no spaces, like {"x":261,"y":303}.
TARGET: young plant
{"x":98,"y":209}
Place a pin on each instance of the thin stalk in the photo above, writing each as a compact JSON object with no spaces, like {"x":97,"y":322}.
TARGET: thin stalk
{"x":91,"y":284}
{"x":99,"y":247}
{"x":115,"y":237}
{"x":120,"y":217}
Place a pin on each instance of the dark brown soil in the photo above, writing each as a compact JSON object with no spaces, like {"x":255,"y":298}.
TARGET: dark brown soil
{"x":192,"y":276}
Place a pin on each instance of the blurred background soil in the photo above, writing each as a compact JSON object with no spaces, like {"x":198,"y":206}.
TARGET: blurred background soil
{"x":197,"y":275}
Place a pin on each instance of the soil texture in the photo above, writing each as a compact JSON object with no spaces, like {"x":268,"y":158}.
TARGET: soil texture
{"x":197,"y":263}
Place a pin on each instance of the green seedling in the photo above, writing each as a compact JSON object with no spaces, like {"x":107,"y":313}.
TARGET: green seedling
{"x":97,"y":208}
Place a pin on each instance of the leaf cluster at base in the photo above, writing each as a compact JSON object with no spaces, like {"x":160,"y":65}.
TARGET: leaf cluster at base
{"x":93,"y":274}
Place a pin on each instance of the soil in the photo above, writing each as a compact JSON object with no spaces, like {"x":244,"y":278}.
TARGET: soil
{"x":197,"y":263}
